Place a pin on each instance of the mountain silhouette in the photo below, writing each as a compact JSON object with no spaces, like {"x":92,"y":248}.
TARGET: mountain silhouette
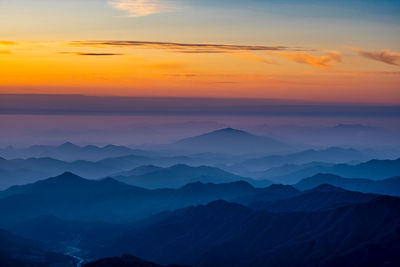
{"x":178,"y":175}
{"x":227,"y":234}
{"x":23,"y":171}
{"x":231,"y":141}
{"x":373,"y":169}
{"x":329,"y":155}
{"x":139,"y":170}
{"x":71,"y":197}
{"x":16,"y":251}
{"x":271,"y":193}
{"x":390,"y":186}
{"x":323,"y":197}
{"x":125,"y":261}
{"x":72,"y":152}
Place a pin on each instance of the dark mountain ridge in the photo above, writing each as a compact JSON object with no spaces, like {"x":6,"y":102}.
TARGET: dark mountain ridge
{"x":71,"y":197}
{"x":390,"y":186}
{"x":227,"y":234}
{"x":21,"y":252}
{"x":373,"y":169}
{"x":178,"y":175}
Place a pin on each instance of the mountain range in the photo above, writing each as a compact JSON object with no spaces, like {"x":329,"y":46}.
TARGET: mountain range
{"x":329,"y":155}
{"x":229,"y":224}
{"x":229,"y":141}
{"x":71,"y":152}
{"x":373,"y":169}
{"x":125,"y":261}
{"x":390,"y":186}
{"x":343,"y":134}
{"x":22,"y":171}
{"x":227,"y":234}
{"x":71,"y":197}
{"x":180,"y":175}
{"x":16,"y":251}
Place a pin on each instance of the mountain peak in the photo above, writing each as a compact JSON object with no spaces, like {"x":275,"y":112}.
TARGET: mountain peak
{"x":67,"y":145}
{"x":323,"y":176}
{"x":327,"y":188}
{"x":65,"y":177}
{"x":179,"y":166}
{"x":229,"y":140}
{"x":230,"y":131}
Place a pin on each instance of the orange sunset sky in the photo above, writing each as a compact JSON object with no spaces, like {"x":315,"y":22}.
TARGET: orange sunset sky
{"x":258,"y":49}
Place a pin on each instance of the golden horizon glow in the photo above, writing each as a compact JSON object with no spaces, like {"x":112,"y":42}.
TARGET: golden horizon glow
{"x":213,"y":71}
{"x":281,"y":49}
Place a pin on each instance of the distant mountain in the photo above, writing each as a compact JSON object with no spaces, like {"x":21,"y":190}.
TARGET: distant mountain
{"x":23,"y":171}
{"x":230,"y":141}
{"x":227,"y":234}
{"x":179,"y":175}
{"x":323,"y":197}
{"x":373,"y":169}
{"x":329,"y":155}
{"x":70,"y":197}
{"x":141,"y":170}
{"x":71,"y":152}
{"x":390,"y":186}
{"x":19,"y":252}
{"x":124,"y":261}
{"x":288,"y":169}
{"x":269,"y":194}
{"x":336,"y":135}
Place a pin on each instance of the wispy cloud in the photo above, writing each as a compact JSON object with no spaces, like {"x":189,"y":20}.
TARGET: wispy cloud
{"x":386,"y":56}
{"x":141,"y":8}
{"x":91,"y":54}
{"x":320,"y":62}
{"x":185,"y":47}
{"x":5,"y":52}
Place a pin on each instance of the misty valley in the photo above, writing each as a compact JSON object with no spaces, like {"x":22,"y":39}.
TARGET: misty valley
{"x":222,"y":198}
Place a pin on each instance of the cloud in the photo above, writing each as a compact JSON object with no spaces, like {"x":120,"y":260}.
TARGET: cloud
{"x":386,"y":56}
{"x":141,"y":8}
{"x":5,"y":52}
{"x":7,"y":43}
{"x":185,"y":47}
{"x":91,"y":54}
{"x":321,"y":62}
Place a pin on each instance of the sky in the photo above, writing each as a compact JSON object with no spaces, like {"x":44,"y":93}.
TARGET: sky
{"x":346,"y":51}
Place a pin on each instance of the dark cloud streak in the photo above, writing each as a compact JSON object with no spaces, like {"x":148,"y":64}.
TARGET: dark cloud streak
{"x":185,"y":47}
{"x":385,"y":56}
{"x":91,"y":54}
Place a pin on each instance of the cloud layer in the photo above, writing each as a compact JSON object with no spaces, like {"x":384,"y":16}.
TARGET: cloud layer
{"x":184,"y":47}
{"x":385,"y":56}
{"x":91,"y":54}
{"x":321,"y":62}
